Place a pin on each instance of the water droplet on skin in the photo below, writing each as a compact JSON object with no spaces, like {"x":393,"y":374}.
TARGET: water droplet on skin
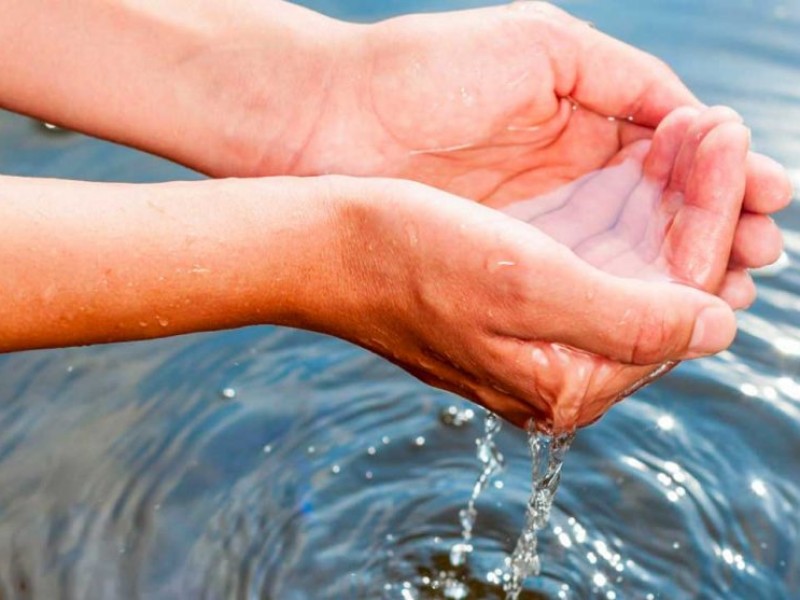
{"x":228,"y":393}
{"x":467,"y":97}
{"x":493,"y":265}
{"x":411,"y":232}
{"x":163,"y":321}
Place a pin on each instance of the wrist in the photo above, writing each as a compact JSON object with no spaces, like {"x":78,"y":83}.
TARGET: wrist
{"x":274,"y":82}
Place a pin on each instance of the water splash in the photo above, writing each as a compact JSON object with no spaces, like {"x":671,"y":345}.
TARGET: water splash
{"x":492,"y":461}
{"x":547,"y":453}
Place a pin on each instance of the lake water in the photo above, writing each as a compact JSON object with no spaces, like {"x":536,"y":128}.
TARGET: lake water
{"x":270,"y":463}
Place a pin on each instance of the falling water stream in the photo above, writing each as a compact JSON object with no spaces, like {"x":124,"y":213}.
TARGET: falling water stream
{"x":547,"y":456}
{"x":547,"y":453}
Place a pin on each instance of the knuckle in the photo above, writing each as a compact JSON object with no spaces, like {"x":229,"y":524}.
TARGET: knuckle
{"x":654,"y":338}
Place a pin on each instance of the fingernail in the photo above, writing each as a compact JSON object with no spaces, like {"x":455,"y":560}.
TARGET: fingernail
{"x":712,"y":331}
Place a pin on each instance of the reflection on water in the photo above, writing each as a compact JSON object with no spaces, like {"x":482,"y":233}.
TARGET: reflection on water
{"x":131,"y":471}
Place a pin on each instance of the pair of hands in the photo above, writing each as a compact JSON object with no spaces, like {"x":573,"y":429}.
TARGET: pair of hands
{"x":443,"y":119}
{"x":506,"y":104}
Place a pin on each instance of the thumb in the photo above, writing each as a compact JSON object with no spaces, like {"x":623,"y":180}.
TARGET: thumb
{"x":645,"y":323}
{"x":627,"y":320}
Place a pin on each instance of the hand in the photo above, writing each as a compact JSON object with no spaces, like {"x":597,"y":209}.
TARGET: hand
{"x":506,"y":103}
{"x":662,"y":209}
{"x":472,"y":301}
{"x":667,"y":211}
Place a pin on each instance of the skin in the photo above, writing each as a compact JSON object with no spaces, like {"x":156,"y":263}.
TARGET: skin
{"x":475,"y":104}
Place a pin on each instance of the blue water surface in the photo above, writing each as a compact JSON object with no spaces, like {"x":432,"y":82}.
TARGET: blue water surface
{"x":271,"y":463}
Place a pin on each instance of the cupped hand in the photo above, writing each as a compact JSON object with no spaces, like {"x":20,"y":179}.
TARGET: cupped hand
{"x":476,"y":302}
{"x":666,"y":208}
{"x":558,"y":319}
{"x":553,"y":322}
{"x":506,"y":103}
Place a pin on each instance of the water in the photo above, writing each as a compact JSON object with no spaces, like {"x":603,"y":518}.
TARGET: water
{"x":547,"y":453}
{"x":492,"y":463}
{"x":126,"y":473}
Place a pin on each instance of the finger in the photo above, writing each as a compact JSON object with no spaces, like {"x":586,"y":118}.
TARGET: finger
{"x":704,"y":124}
{"x":757,"y":242}
{"x":668,"y":142}
{"x":769,"y":188}
{"x":699,"y":240}
{"x":636,"y":322}
{"x":738,"y":289}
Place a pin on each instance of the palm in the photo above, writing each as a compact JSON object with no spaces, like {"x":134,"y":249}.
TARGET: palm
{"x":473,"y":105}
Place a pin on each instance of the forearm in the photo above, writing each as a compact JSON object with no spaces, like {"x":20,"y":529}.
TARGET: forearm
{"x":171,"y":77}
{"x":86,"y":263}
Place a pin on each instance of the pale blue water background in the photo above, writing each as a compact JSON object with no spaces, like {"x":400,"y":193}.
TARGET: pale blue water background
{"x":125,"y":473}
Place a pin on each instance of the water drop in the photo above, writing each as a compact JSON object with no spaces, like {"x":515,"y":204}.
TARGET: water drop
{"x":455,"y":590}
{"x":666,"y":422}
{"x":459,"y":552}
{"x":411,"y":232}
{"x":493,"y":265}
{"x":228,"y":393}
